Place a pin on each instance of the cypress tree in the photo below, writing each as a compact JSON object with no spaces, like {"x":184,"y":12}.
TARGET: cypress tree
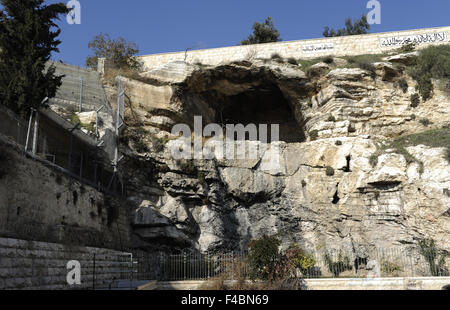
{"x":27,"y":38}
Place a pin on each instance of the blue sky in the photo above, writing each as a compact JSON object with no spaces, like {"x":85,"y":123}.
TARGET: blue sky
{"x":159,"y":26}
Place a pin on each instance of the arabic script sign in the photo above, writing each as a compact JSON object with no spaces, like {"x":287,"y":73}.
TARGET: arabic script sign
{"x":417,"y":39}
{"x":318,"y":47}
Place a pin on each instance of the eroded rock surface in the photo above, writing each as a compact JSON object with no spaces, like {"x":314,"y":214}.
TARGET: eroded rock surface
{"x":219,"y":205}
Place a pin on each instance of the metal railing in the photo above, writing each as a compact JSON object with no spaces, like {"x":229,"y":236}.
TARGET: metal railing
{"x":328,"y":264}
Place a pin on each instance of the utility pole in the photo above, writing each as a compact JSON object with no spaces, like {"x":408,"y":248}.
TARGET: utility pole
{"x":36,"y":126}
{"x":81,"y":94}
{"x":29,"y":129}
{"x":36,"y":131}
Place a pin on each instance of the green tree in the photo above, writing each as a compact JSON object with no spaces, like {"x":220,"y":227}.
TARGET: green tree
{"x":263,"y":257}
{"x":119,"y":51}
{"x":263,"y":33}
{"x":27,"y":38}
{"x":359,"y":26}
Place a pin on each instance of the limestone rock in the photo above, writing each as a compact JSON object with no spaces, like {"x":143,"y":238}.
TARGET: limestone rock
{"x":387,"y":71}
{"x":87,"y":117}
{"x":220,"y":204}
{"x":407,"y":59}
{"x":318,"y":70}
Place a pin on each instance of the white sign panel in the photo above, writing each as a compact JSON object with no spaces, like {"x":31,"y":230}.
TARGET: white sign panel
{"x":418,"y":39}
{"x":319,"y":47}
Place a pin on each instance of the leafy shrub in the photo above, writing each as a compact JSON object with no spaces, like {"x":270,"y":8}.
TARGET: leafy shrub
{"x":415,"y":100}
{"x":407,"y":48}
{"x":330,"y":171}
{"x":292,"y":61}
{"x":373,"y":160}
{"x":141,"y":147}
{"x":276,"y":57}
{"x":338,"y":142}
{"x":300,"y":259}
{"x":351,"y":128}
{"x":433,"y":62}
{"x":201,"y":176}
{"x":413,"y":117}
{"x":425,"y":87}
{"x":263,"y":33}
{"x":328,"y":60}
{"x":263,"y":257}
{"x":331,"y":118}
{"x":359,"y":26}
{"x":403,"y":84}
{"x":337,"y":267}
{"x":390,"y":268}
{"x":427,"y":248}
{"x":187,"y":166}
{"x":425,"y":121}
{"x":313,"y":135}
{"x":447,"y":154}
{"x":306,"y":63}
{"x":119,"y":51}
{"x":158,"y":143}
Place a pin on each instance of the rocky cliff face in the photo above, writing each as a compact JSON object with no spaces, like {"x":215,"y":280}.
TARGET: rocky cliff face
{"x":339,"y":182}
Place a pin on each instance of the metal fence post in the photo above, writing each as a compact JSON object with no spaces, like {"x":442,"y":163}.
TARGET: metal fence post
{"x":208,"y":266}
{"x":36,"y":130}
{"x":29,"y":129}
{"x":81,"y":94}
{"x":232,"y":266}
{"x":184,"y":265}
{"x":93,"y":275}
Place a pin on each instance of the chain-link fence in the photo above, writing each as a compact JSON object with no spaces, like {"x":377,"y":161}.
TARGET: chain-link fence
{"x":63,"y":147}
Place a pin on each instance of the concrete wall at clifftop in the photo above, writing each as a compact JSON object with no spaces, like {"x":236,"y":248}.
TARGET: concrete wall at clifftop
{"x":340,"y":46}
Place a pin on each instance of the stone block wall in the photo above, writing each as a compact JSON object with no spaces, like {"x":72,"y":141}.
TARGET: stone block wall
{"x":43,"y":266}
{"x":340,"y":46}
{"x":42,"y":203}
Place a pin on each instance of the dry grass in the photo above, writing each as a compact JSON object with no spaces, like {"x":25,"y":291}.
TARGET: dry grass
{"x":235,"y":278}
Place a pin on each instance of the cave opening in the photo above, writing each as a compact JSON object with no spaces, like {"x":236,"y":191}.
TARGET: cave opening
{"x":347,"y":167}
{"x":336,"y":197}
{"x":262,"y":104}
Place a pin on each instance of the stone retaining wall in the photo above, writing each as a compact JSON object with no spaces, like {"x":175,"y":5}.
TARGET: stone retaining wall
{"x":41,"y":265}
{"x":340,"y":46}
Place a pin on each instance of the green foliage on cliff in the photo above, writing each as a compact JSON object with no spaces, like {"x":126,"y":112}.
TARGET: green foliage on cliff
{"x":436,"y":138}
{"x":415,"y":100}
{"x":314,"y":135}
{"x":263,"y":257}
{"x":436,"y":262}
{"x":359,"y":26}
{"x":119,"y":51}
{"x":263,"y":33}
{"x":28,"y":36}
{"x":433,"y":63}
{"x":330,"y":171}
